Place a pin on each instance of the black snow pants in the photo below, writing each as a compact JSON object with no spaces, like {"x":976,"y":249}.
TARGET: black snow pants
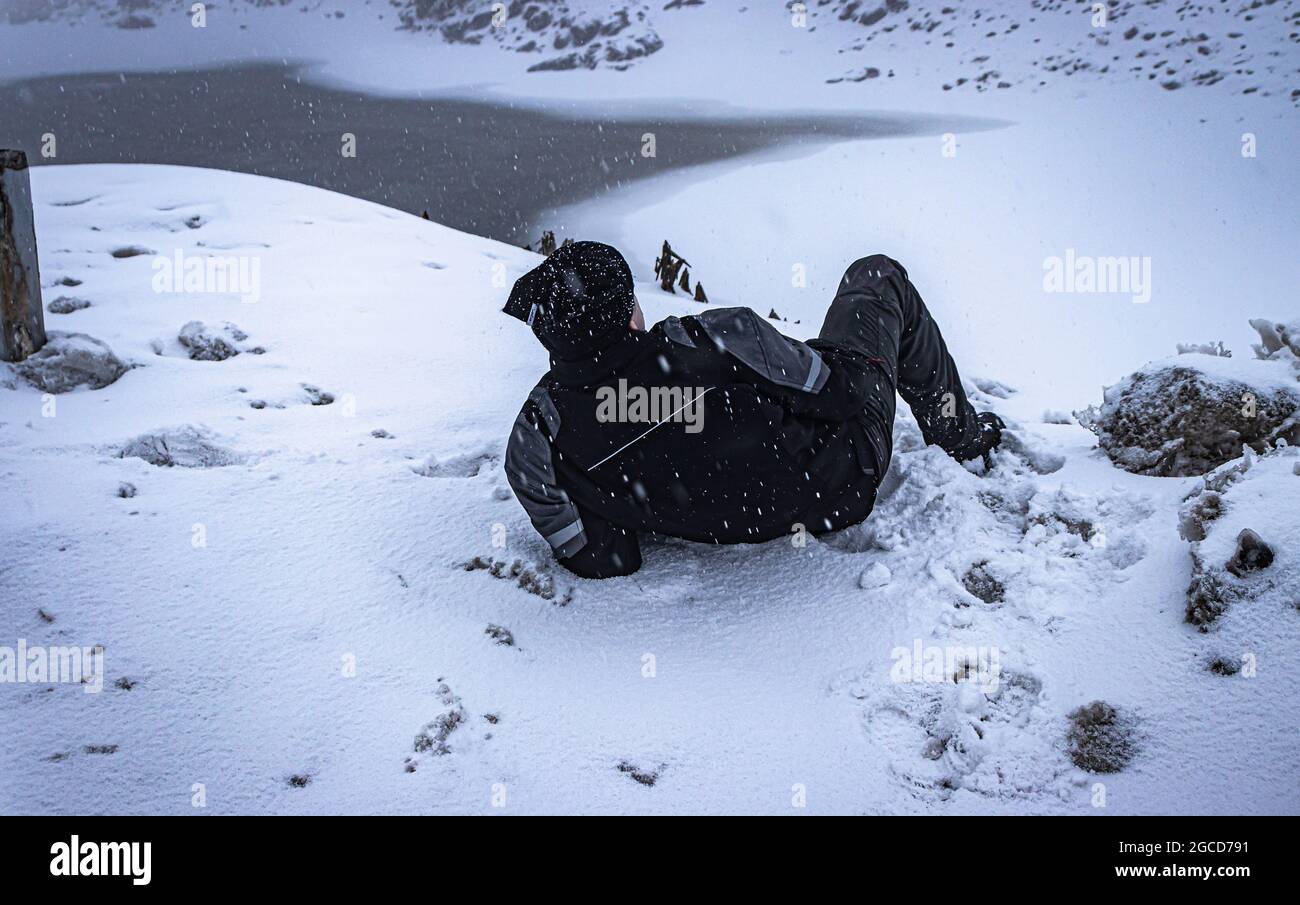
{"x":878,"y":313}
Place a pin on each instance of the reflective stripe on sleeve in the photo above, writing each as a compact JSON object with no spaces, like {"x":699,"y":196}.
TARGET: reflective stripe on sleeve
{"x":813,"y":370}
{"x":565,"y":534}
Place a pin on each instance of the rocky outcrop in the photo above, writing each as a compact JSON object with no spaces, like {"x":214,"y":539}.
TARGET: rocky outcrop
{"x":1189,"y":414}
{"x":569,"y":34}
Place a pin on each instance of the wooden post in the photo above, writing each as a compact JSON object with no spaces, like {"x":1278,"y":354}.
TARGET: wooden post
{"x":22,"y":319}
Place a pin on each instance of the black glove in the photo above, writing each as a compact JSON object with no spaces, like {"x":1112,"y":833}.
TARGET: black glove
{"x":985,"y":440}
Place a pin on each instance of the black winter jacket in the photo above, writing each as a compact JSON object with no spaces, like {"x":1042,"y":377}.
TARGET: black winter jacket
{"x":714,"y":428}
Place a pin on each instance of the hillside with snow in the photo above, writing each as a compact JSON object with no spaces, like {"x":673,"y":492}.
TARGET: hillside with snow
{"x":278,"y":504}
{"x":1246,"y":47}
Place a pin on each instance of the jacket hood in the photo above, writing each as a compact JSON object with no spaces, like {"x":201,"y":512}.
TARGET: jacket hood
{"x":578,"y":301}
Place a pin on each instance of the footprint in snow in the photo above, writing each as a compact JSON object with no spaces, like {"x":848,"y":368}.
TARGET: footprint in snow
{"x":1224,"y":665}
{"x":311,"y":394}
{"x":980,"y":582}
{"x":1101,"y":738}
{"x":186,"y":446}
{"x":76,"y":203}
{"x":1018,"y":447}
{"x":317,"y":396}
{"x":978,"y":728}
{"x":463,"y":465}
{"x":436,"y":737}
{"x":646,"y":776}
{"x":500,"y":635}
{"x":66,"y":304}
{"x":532,"y":578}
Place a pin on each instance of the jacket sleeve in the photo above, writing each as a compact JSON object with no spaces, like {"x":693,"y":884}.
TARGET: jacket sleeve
{"x":583,"y":542}
{"x":798,"y":374}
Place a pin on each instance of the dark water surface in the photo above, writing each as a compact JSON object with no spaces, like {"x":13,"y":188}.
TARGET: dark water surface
{"x":487,"y":168}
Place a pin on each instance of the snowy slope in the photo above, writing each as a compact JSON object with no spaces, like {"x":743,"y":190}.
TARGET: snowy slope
{"x":976,"y":216}
{"x":232,"y":600}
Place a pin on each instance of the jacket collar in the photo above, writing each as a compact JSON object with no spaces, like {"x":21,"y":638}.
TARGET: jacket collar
{"x":602,"y":363}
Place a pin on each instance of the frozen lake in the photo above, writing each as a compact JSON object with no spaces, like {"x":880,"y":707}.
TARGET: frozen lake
{"x":487,"y":168}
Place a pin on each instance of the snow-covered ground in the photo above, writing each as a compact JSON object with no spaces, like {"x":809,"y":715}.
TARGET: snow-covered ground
{"x":296,"y":628}
{"x":304,"y":620}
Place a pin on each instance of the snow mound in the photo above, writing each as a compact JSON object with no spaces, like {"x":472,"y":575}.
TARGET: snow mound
{"x":186,"y":446}
{"x":205,"y":343}
{"x":1189,"y":414}
{"x":70,"y":360}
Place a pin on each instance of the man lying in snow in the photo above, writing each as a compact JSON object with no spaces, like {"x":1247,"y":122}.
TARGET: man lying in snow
{"x":716,"y":427}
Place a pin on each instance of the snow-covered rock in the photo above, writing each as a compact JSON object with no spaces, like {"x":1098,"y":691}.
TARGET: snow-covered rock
{"x":66,"y":304}
{"x":1189,"y":414}
{"x":71,"y":360}
{"x":217,"y":343}
{"x":568,"y":34}
{"x":186,"y":446}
